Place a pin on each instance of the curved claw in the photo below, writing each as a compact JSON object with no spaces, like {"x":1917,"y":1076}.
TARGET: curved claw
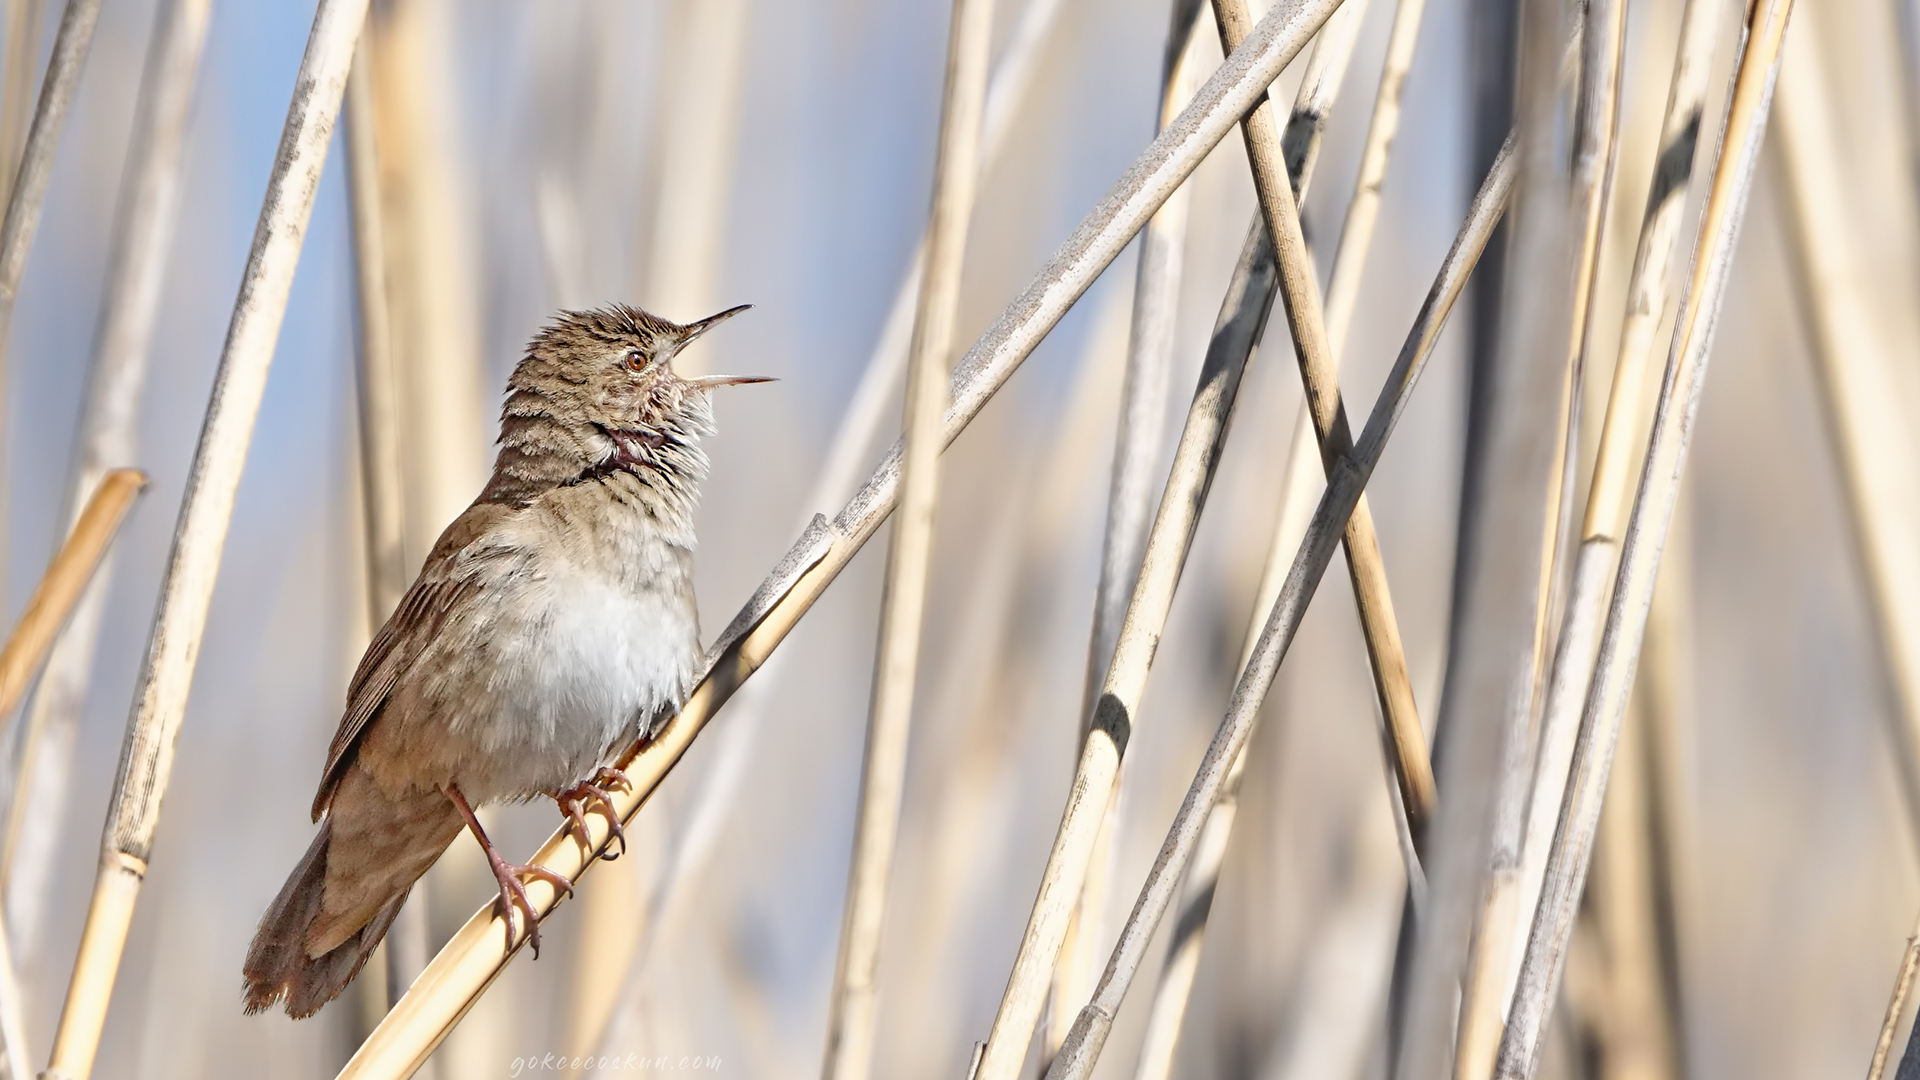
{"x":609,"y":777}
{"x":514,"y":894}
{"x":592,"y":792}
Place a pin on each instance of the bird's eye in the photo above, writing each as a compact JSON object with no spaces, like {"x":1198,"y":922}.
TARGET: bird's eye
{"x":636,"y":360}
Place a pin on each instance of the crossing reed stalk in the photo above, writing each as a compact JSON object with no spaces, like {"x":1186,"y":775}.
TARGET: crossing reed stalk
{"x":1742,"y":130}
{"x":1082,"y":1049}
{"x":1300,"y":294}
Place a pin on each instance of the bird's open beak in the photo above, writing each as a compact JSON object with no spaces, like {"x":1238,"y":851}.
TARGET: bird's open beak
{"x":711,"y":381}
{"x":694,"y":330}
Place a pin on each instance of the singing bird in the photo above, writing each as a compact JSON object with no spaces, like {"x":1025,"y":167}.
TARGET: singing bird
{"x":552,"y":625}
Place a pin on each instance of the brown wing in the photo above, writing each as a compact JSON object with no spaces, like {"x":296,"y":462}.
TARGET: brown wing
{"x":414,"y":624}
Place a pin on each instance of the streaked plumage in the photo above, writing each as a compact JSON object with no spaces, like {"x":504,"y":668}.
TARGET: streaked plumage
{"x":552,"y":624}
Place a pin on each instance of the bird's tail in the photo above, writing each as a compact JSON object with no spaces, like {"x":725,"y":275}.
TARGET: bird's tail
{"x":339,"y":901}
{"x":278,"y":965}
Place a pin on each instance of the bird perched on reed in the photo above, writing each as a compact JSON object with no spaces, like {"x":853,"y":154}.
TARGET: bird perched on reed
{"x":552,"y":625}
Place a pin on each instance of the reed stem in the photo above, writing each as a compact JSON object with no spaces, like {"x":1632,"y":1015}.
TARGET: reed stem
{"x":1621,"y":451}
{"x":146,"y":761}
{"x":1137,"y":444}
{"x":855,"y":1001}
{"x":1742,"y":128}
{"x":27,"y":194}
{"x":1492,"y":955}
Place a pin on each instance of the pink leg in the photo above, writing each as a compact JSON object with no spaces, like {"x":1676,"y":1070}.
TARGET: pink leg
{"x":512,"y":893}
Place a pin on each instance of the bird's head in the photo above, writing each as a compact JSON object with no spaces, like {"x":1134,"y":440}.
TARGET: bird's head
{"x":597,"y":393}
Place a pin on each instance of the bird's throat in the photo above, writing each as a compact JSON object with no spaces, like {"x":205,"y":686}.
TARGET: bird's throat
{"x":632,"y":452}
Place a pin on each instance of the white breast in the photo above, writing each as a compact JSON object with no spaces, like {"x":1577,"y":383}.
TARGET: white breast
{"x":581,"y":659}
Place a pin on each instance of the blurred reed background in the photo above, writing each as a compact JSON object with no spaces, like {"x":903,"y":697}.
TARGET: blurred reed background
{"x":1755,"y":875}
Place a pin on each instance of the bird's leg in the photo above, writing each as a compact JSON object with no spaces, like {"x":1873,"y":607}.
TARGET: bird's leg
{"x":594,"y":792}
{"x":512,"y":892}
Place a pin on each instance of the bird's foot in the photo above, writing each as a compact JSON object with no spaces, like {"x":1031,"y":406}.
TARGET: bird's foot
{"x":513,"y":894}
{"x":592,"y":795}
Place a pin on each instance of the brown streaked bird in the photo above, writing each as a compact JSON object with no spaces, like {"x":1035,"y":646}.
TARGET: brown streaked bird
{"x":551,"y":626}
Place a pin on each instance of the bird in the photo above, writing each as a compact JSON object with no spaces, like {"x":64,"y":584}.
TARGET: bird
{"x":551,"y":626}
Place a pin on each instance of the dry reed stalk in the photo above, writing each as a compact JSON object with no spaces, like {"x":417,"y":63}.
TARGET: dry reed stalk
{"x":66,"y":578}
{"x":108,"y":437}
{"x":1619,"y":454}
{"x":437,"y":370}
{"x":434,"y":313}
{"x":1016,"y":601}
{"x":439,"y":373}
{"x":1871,"y":437}
{"x":1174,"y":987}
{"x":1144,"y":386}
{"x":1896,"y":1005}
{"x":146,"y":761}
{"x":1664,"y":689}
{"x":1300,"y":297}
{"x":1237,"y":329}
{"x":478,"y":952}
{"x":53,"y":600}
{"x":1742,"y":128}
{"x":382,"y":479}
{"x":1486,"y":988}
{"x":16,"y":85}
{"x":1596,"y":153}
{"x":1312,"y":106}
{"x":1319,"y":88}
{"x":382,"y":494}
{"x":1356,"y":236}
{"x":1082,"y":1049}
{"x":839,"y":476}
{"x":1007,"y":97}
{"x":1078,"y":852}
{"x":1363,"y":210}
{"x":855,"y":1000}
{"x":27,"y":194}
{"x":1343,"y":291}
{"x":1513,"y":441}
{"x":1137,"y":444}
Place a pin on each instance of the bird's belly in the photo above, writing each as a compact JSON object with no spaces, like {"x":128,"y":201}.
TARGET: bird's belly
{"x":577,"y":665}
